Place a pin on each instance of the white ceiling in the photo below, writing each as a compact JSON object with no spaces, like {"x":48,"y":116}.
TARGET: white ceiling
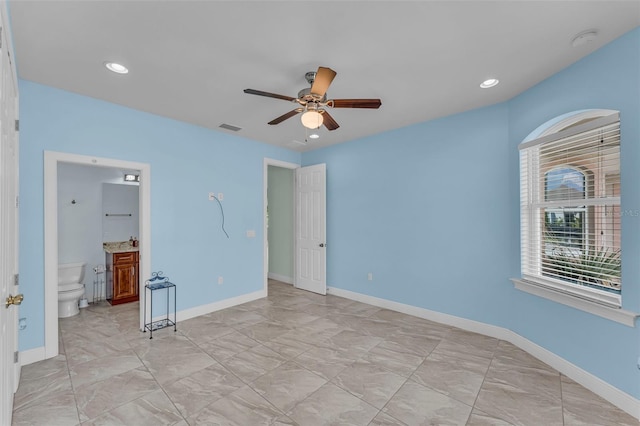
{"x":191,"y":60}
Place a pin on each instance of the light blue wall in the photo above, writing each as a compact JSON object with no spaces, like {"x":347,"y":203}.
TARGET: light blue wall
{"x":425,"y":209}
{"x":608,"y":79}
{"x":187,"y":162}
{"x":433,"y":211}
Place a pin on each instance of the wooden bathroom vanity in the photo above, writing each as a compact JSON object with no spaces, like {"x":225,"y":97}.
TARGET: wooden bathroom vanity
{"x":122,"y":273}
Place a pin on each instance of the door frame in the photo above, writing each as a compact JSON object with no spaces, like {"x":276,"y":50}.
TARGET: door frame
{"x":265,"y":244}
{"x":51,"y":160}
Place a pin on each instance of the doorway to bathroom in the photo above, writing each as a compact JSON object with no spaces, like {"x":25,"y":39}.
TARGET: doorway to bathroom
{"x":96,"y":205}
{"x":60,"y":208}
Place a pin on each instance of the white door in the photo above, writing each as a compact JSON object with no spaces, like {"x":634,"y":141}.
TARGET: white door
{"x":310,"y":228}
{"x":10,"y":374}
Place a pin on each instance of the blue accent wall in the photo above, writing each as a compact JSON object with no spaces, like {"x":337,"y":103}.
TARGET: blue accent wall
{"x":187,"y":162}
{"x":432,"y":210}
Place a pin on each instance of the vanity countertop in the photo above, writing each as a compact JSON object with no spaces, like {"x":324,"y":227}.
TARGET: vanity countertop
{"x":119,"y":247}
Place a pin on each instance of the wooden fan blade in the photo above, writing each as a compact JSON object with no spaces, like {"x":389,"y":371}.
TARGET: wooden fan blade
{"x":269,"y":95}
{"x":323,"y":79}
{"x":328,"y":121}
{"x":284,"y":117}
{"x":356,"y":103}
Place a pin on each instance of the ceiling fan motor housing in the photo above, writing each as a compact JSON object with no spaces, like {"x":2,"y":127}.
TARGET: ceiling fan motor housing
{"x":306,"y":96}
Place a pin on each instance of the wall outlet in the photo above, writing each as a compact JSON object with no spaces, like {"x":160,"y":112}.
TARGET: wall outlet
{"x":370,"y":276}
{"x":220,"y":196}
{"x":220,"y":280}
{"x":251,"y":233}
{"x":212,"y":196}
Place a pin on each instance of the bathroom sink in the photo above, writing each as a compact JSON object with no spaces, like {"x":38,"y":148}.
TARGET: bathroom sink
{"x":118,"y":247}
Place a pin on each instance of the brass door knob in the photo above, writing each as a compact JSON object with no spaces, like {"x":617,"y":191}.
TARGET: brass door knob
{"x":14,"y":300}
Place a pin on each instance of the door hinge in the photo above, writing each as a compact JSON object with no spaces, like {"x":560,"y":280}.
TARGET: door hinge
{"x":17,"y":125}
{"x":17,"y":201}
{"x":16,"y":357}
{"x":16,"y":280}
{"x":0,"y":37}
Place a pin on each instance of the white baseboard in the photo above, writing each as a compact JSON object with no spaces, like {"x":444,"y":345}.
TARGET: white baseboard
{"x":620,"y":399}
{"x":278,"y":277}
{"x":32,"y":355}
{"x":216,"y":306}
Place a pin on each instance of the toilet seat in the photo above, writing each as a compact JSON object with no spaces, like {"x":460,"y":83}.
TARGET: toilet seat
{"x":70,"y":287}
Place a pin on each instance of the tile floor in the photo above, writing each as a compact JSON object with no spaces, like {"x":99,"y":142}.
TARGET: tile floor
{"x":295,"y":358}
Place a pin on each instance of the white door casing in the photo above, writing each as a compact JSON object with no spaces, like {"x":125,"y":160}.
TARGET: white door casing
{"x":51,"y":160}
{"x":9,"y":154}
{"x":310,"y":264}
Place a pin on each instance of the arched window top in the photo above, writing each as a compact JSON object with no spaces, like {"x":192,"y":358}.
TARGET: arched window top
{"x":564,"y":183}
{"x":567,"y":120}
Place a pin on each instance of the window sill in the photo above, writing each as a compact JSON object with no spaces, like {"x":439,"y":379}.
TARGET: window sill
{"x":614,"y":314}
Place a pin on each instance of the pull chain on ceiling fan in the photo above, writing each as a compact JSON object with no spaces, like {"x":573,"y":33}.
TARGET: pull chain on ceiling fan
{"x":313,"y":101}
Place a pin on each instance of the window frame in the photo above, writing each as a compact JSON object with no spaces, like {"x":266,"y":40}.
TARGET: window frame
{"x":600,"y":302}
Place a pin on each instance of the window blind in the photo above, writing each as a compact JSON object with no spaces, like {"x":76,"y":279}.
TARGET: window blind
{"x":570,"y":209}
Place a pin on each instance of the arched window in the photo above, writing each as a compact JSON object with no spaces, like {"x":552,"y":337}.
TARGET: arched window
{"x":570,"y":207}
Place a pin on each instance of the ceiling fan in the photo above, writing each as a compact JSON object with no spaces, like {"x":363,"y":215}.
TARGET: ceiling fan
{"x":313,"y":101}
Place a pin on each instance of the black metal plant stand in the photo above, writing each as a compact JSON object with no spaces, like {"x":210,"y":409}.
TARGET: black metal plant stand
{"x":158,"y":282}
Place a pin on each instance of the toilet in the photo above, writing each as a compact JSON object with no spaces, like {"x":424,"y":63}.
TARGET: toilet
{"x":70,"y":288}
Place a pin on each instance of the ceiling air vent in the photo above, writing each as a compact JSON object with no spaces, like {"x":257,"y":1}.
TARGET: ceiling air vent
{"x":230,"y":127}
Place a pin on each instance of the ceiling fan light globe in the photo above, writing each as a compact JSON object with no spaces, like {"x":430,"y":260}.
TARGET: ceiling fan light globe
{"x":311,"y":119}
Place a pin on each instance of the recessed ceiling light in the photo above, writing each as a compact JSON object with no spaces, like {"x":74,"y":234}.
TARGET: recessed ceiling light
{"x":584,"y":37}
{"x":115,"y":67}
{"x":489,"y":83}
{"x":314,"y":136}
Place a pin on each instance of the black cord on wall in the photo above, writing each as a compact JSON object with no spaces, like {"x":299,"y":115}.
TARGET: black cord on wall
{"x":222,"y":212}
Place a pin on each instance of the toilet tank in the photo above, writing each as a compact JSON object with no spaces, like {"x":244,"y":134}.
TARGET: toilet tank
{"x":71,"y":273}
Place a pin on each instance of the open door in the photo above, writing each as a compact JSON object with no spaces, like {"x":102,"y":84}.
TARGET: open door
{"x":9,"y":297}
{"x":311,"y":229}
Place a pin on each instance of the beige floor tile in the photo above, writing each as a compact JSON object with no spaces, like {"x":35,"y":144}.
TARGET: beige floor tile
{"x":516,"y":405}
{"x":583,"y":407}
{"x":369,"y":382}
{"x":152,"y":409}
{"x":415,"y":404}
{"x":325,"y":362}
{"x":331,"y":405}
{"x":394,"y":359}
{"x":458,"y":378}
{"x":255,"y":362}
{"x":241,"y":408}
{"x":226,"y":346}
{"x":287,"y":385}
{"x":193,"y":393}
{"x":295,"y":358}
{"x":41,"y":380}
{"x":59,"y":408}
{"x":102,"y":368}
